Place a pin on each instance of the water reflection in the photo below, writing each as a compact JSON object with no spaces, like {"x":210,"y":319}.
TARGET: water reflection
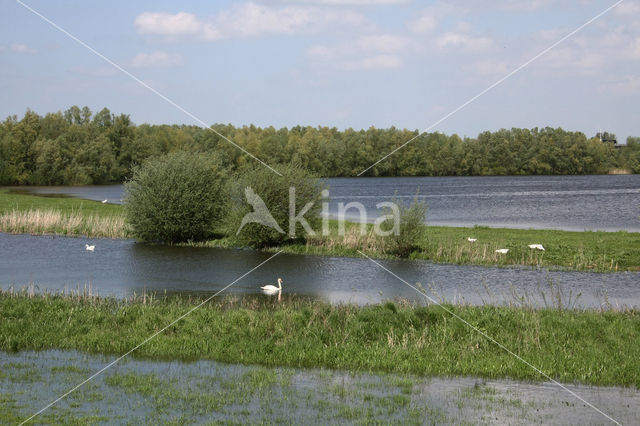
{"x":121,"y":268}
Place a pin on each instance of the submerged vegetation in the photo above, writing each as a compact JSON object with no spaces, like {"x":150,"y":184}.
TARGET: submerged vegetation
{"x":591,"y":347}
{"x":79,"y":147}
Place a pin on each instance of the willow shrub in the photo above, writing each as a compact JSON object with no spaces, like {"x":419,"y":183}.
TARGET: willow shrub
{"x":274,"y":191}
{"x":412,"y":227}
{"x":175,"y":198}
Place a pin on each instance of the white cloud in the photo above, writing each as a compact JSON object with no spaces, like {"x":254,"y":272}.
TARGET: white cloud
{"x":373,"y":62}
{"x":429,"y":18}
{"x":522,"y":6}
{"x":350,"y":2}
{"x":424,"y":24}
{"x":155,"y":59}
{"x":248,"y":20}
{"x":182,"y":23}
{"x":463,"y":41}
{"x":574,"y":59}
{"x":368,"y":52}
{"x":383,"y":43}
{"x":633,"y":52}
{"x":625,"y":86}
{"x":628,"y":8}
{"x":322,"y":52}
{"x":490,"y":67}
{"x":23,"y":48}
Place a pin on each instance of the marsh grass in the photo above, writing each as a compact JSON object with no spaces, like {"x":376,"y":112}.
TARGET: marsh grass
{"x":29,"y":214}
{"x":583,"y":251}
{"x":59,"y":223}
{"x":596,"y":347}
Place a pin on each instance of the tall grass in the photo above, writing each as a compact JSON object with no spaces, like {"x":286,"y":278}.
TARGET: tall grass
{"x":62,"y":223}
{"x":593,"y":347}
{"x":586,"y":251}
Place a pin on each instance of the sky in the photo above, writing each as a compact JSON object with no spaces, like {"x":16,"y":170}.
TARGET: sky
{"x":336,"y":63}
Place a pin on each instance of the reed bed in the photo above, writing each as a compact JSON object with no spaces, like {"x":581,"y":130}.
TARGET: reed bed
{"x":40,"y":222}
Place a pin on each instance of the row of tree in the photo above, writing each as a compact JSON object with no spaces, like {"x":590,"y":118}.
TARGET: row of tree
{"x":79,"y":147}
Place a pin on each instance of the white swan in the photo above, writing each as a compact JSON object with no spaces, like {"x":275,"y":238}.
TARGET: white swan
{"x":104,"y":201}
{"x":89,"y":248}
{"x":502,"y":251}
{"x":536,"y":246}
{"x":272,"y":289}
{"x":472,"y":240}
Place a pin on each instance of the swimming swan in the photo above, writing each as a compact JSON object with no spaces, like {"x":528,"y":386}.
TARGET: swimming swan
{"x":272,"y":289}
{"x":89,"y":248}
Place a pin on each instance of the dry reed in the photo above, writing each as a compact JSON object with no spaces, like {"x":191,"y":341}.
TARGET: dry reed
{"x":59,"y":223}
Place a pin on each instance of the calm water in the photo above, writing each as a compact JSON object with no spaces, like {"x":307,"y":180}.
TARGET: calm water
{"x":603,"y":202}
{"x":121,"y":267}
{"x":205,"y":391}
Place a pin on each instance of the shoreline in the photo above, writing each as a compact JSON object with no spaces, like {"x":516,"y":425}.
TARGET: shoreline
{"x":594,"y":251}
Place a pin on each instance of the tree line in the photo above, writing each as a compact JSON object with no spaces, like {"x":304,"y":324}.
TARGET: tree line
{"x":78,"y":146}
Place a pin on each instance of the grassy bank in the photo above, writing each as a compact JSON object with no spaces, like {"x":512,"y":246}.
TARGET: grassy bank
{"x":581,"y":251}
{"x":584,"y":251}
{"x":590,"y":347}
{"x":29,"y":214}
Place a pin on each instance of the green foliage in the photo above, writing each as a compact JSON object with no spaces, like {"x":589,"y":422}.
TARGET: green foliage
{"x":411,"y":230}
{"x":630,"y":155}
{"x":77,"y":147}
{"x":174,"y":198}
{"x":275,"y":192}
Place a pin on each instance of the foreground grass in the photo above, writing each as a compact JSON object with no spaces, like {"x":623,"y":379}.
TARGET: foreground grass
{"x":582,"y":251}
{"x":590,"y":347}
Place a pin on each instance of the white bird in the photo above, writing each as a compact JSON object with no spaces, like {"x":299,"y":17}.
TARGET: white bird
{"x":536,"y":246}
{"x":502,"y":251}
{"x":272,"y":289}
{"x":89,"y":248}
{"x":472,"y":240}
{"x":104,"y":201}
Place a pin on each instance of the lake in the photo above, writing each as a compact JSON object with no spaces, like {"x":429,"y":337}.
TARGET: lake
{"x":123,"y":267}
{"x":595,"y":202}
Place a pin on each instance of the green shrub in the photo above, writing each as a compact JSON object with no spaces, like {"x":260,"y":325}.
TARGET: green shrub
{"x":411,"y":230}
{"x":174,"y":198}
{"x":274,"y":191}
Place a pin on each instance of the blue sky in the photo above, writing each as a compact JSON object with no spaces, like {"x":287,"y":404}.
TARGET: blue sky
{"x":342,"y":63}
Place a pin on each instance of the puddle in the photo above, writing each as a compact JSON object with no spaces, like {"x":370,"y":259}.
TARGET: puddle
{"x":140,"y":391}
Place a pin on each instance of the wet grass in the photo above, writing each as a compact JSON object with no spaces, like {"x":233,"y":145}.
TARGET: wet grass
{"x":225,"y":395}
{"x":586,"y":251}
{"x":591,"y":347}
{"x":594,"y":251}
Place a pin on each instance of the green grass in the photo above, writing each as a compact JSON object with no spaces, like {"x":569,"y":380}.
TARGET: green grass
{"x":596,"y":251}
{"x":583,"y":251}
{"x":24,"y":202}
{"x":591,"y":347}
